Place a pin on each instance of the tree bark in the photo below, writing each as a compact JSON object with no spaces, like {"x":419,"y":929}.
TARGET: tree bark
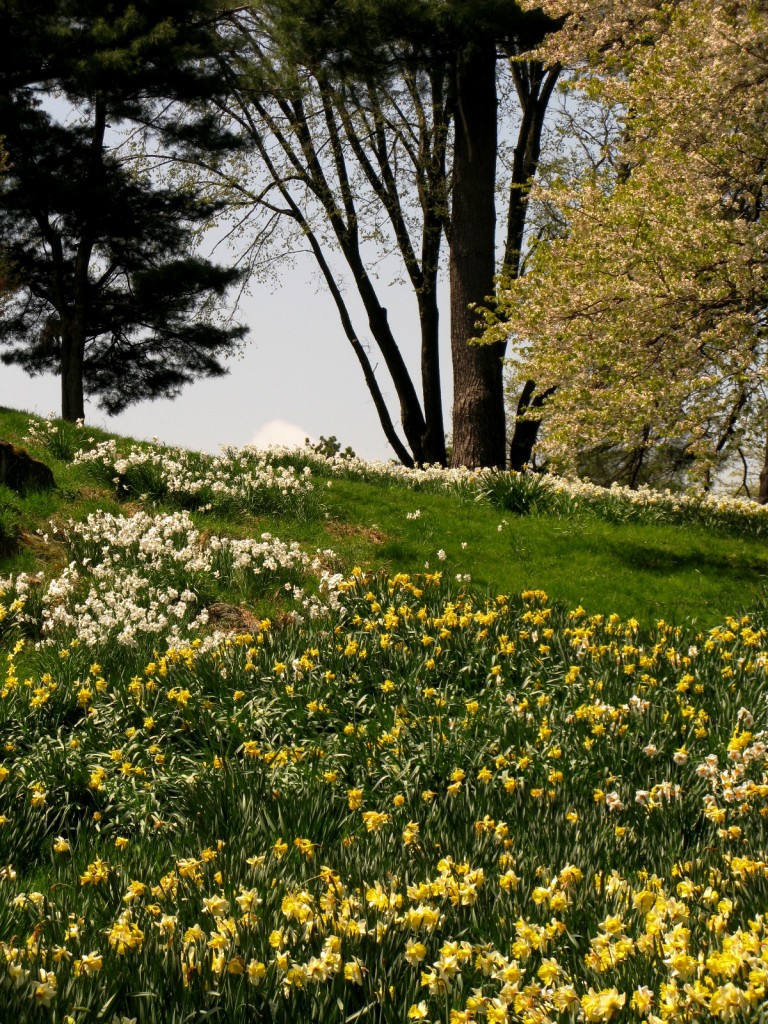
{"x":72,"y":399}
{"x":478,"y":400}
{"x":535,"y":85}
{"x":526,"y":429}
{"x":433,"y":441}
{"x":74,"y":322}
{"x":762,"y":495}
{"x":534,"y":89}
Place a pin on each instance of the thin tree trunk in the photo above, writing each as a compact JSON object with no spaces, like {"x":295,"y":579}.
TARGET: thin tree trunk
{"x":435,"y":207}
{"x":534,"y":88}
{"x":526,"y":429}
{"x":74,"y":328}
{"x":362,"y":356}
{"x":478,"y":399}
{"x":371,"y":147}
{"x":762,"y":494}
{"x":637,"y":458}
{"x":433,"y":441}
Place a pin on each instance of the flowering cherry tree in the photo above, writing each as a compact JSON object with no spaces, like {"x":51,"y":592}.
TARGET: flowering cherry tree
{"x":647,"y":318}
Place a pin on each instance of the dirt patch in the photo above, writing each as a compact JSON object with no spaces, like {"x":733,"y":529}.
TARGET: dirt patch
{"x":51,"y":552}
{"x":95,"y":493}
{"x":230,"y":618}
{"x":369,"y":533}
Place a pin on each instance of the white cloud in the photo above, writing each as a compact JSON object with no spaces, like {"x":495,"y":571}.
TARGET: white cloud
{"x":279,"y":432}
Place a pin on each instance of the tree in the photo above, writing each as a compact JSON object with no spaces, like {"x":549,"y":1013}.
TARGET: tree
{"x":648,"y":318}
{"x":353,"y":115}
{"x":6,"y":285}
{"x":351,"y":167}
{"x":111,"y":297}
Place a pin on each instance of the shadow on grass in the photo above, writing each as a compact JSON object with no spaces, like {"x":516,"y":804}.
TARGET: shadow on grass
{"x":664,"y":562}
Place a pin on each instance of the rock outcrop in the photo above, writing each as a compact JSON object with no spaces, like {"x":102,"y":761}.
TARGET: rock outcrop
{"x":20,"y":472}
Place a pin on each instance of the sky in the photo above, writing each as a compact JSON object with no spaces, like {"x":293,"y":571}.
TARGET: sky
{"x":297,"y":377}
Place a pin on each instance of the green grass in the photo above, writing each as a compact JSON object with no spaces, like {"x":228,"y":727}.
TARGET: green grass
{"x":650,"y":571}
{"x":647,"y":570}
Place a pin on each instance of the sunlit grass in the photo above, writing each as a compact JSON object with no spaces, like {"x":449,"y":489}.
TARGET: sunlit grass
{"x":609,"y":551}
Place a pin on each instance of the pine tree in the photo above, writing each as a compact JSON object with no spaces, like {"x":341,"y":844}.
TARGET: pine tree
{"x":111,"y":296}
{"x":5,"y":267}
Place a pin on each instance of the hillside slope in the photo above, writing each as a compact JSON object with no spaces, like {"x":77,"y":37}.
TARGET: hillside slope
{"x":248,"y":779}
{"x":606,"y":551}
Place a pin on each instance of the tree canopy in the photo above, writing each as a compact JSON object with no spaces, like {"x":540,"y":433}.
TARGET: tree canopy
{"x":111,"y":294}
{"x":647,"y":317}
{"x":375,"y":131}
{"x":5,"y":266}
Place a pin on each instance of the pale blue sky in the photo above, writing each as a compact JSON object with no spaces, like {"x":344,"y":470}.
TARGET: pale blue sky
{"x":297,"y":377}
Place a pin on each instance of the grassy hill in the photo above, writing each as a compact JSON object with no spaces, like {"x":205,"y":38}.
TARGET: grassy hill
{"x":292,"y":738}
{"x":605,"y":554}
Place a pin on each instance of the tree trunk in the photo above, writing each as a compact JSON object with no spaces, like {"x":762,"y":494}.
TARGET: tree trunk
{"x":526,"y":429}
{"x":74,"y":324}
{"x":535,"y":85}
{"x":72,"y":347}
{"x":362,"y":356}
{"x":478,"y":398}
{"x":435,"y":207}
{"x":534,"y":88}
{"x":762,"y":495}
{"x":433,"y":441}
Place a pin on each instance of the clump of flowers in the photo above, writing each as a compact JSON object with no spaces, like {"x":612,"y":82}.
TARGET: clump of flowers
{"x":140,"y":575}
{"x":527,"y":813}
{"x":240,"y":479}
